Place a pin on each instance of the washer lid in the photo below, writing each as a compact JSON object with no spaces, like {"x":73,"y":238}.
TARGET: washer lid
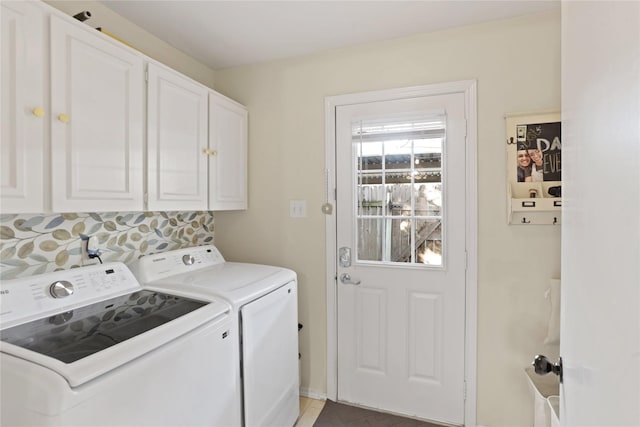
{"x":106,"y":320}
{"x":90,"y":367}
{"x":75,"y":334}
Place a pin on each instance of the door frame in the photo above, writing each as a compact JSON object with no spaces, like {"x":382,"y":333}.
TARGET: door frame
{"x":469,"y":89}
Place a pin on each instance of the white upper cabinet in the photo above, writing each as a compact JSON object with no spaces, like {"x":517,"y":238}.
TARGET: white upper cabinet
{"x":73,"y":125}
{"x":97,"y":123}
{"x":24,"y":111}
{"x":227,"y":153}
{"x":176,"y":141}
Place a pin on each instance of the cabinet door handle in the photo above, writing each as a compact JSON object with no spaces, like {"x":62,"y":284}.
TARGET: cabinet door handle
{"x":64,"y":118}
{"x":38,"y":112}
{"x":209,"y":152}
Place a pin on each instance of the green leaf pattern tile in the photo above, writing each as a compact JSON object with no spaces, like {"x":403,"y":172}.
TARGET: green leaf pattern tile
{"x":35,"y":244}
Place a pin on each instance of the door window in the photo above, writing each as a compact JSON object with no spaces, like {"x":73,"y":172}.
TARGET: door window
{"x":399,"y":188}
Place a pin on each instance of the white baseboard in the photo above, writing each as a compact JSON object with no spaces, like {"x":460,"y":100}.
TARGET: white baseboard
{"x":313,"y":394}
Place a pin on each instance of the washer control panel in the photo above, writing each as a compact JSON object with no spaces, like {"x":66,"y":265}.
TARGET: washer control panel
{"x":158,"y":266}
{"x":32,"y":297}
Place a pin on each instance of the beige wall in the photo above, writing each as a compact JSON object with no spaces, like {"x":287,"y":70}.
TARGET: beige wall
{"x":145,"y":42}
{"x":517,"y":65}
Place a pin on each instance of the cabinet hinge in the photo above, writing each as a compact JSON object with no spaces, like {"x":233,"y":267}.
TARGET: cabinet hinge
{"x":464,"y":390}
{"x":466,"y":129}
{"x":466,"y":260}
{"x":146,"y":76}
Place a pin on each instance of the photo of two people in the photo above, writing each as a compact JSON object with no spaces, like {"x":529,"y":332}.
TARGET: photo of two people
{"x":539,"y":150}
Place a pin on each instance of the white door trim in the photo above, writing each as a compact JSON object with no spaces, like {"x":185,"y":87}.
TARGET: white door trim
{"x":468,"y":87}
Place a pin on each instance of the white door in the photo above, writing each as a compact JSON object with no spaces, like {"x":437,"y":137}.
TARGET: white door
{"x":176,"y":141}
{"x":228,"y":123}
{"x":23,"y":107}
{"x":400,"y":209}
{"x":600,"y":324}
{"x":97,"y":99}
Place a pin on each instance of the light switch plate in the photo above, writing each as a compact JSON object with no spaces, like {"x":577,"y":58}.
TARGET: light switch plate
{"x":297,"y":208}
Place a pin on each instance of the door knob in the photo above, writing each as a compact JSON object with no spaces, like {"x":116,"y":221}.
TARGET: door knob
{"x":346,"y":279}
{"x":542,"y":366}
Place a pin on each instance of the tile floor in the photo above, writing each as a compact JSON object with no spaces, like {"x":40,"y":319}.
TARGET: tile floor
{"x":309,"y":411}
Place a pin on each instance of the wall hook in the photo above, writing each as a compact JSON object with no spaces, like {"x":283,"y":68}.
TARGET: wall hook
{"x":555,"y":220}
{"x":524,"y":221}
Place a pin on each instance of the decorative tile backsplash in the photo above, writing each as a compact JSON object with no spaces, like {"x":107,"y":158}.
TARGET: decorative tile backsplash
{"x":34,"y":244}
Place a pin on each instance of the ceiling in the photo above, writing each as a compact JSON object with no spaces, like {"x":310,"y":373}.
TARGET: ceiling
{"x":225,"y":34}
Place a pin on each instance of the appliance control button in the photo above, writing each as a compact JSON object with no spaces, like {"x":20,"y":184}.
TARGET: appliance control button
{"x":61,"y":289}
{"x":188,"y":259}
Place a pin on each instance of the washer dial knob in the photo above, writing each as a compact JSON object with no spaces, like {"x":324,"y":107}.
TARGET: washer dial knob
{"x":188,"y":259}
{"x":61,"y":289}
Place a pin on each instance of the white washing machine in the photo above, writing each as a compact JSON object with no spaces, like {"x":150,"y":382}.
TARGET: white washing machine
{"x":91,"y":347}
{"x":264,"y":299}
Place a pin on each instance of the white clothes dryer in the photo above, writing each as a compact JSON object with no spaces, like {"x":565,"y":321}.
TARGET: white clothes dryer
{"x":265,"y":302}
{"x":91,"y":347}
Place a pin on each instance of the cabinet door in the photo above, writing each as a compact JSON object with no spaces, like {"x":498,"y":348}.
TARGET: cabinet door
{"x":176,"y":141}
{"x":23,"y":108}
{"x":227,"y":154}
{"x":97,"y":125}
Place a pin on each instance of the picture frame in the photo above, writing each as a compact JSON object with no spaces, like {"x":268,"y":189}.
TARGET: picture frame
{"x":534,"y":167}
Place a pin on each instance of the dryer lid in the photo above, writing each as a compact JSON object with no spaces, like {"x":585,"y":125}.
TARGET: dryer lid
{"x":238,"y":283}
{"x":202,"y":271}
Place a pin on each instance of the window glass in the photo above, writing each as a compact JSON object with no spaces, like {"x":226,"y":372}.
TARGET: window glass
{"x":399,"y":189}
